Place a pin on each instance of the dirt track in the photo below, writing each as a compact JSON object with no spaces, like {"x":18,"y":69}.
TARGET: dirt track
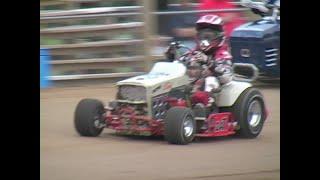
{"x":67,"y":156}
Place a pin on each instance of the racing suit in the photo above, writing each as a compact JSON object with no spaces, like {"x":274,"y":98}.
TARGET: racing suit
{"x":218,"y":71}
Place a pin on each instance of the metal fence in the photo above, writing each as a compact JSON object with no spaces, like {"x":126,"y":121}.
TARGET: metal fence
{"x":115,"y":42}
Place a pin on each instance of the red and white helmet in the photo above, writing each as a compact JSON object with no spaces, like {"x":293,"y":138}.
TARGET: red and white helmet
{"x":210,"y":33}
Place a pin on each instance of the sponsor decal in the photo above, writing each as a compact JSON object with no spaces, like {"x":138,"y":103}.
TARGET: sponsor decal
{"x":167,"y":86}
{"x":219,"y":126}
{"x":245,"y":52}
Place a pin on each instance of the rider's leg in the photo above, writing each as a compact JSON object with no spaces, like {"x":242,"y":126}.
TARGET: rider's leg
{"x":212,"y":86}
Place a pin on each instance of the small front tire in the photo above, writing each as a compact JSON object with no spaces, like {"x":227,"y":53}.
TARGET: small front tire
{"x":88,"y":117}
{"x":179,"y":126}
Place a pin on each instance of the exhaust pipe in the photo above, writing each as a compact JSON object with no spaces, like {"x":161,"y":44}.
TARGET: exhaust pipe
{"x":245,"y":72}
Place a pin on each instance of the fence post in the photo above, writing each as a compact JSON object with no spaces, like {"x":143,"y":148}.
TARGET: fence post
{"x":148,"y":30}
{"x":44,"y":68}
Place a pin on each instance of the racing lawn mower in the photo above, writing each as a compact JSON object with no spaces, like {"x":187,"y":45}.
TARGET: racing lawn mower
{"x":159,"y":103}
{"x":255,"y":46}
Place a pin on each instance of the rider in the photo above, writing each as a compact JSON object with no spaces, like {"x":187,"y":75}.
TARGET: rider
{"x":211,"y":41}
{"x":261,"y":9}
{"x":211,"y":54}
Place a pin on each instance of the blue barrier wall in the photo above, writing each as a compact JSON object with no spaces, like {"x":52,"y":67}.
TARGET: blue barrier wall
{"x":44,"y":68}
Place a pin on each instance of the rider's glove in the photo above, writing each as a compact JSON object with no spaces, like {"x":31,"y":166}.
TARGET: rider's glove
{"x":200,"y":57}
{"x":224,"y":74}
{"x":219,"y":70}
{"x":170,"y":53}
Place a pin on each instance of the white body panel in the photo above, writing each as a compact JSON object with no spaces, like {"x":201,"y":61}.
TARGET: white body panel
{"x":161,"y":72}
{"x":166,"y":75}
{"x":230,"y":93}
{"x":161,"y":79}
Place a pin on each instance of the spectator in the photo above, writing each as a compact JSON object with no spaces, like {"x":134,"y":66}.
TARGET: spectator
{"x":182,"y":25}
{"x":162,"y":27}
{"x":232,"y":20}
{"x":162,"y":6}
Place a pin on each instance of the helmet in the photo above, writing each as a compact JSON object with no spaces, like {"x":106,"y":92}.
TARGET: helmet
{"x":210,"y":34}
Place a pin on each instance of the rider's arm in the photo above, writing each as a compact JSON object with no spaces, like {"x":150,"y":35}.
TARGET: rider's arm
{"x":223,"y":67}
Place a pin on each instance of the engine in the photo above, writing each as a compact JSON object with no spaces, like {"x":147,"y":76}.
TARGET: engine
{"x":134,"y":98}
{"x":131,"y":99}
{"x":159,"y":106}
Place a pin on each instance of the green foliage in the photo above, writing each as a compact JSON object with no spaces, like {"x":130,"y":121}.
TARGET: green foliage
{"x":49,"y":41}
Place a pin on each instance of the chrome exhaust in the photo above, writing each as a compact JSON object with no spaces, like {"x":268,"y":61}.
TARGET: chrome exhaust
{"x":245,"y":72}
